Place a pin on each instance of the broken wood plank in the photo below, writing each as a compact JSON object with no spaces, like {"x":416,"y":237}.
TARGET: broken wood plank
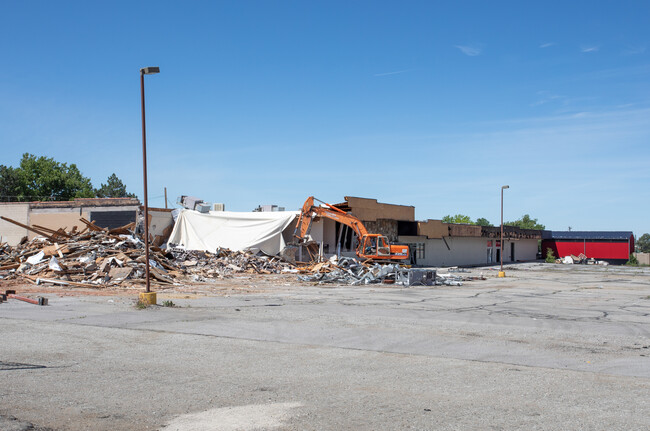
{"x":58,"y":232}
{"x":91,"y":225}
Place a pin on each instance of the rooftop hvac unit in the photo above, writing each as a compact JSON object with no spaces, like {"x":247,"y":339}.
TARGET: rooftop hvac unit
{"x":203,"y":208}
{"x":218,"y":207}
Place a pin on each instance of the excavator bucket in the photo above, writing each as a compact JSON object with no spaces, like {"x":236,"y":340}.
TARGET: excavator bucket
{"x":288,"y":253}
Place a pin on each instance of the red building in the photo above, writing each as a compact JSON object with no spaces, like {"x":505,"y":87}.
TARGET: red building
{"x":614,"y":247}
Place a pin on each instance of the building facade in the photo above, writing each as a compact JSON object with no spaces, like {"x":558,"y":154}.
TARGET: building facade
{"x":431,"y":242}
{"x":105,"y":212}
{"x":611,"y":246}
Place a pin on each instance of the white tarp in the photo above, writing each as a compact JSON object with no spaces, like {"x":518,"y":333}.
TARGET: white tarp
{"x":236,"y":231}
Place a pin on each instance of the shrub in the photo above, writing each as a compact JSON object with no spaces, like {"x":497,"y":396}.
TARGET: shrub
{"x":550,"y":256}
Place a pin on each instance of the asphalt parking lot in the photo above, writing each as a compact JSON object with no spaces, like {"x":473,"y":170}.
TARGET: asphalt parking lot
{"x":549,"y":347}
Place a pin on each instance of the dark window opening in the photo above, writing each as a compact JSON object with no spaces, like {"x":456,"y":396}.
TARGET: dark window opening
{"x":407,"y":228}
{"x":112,"y":219}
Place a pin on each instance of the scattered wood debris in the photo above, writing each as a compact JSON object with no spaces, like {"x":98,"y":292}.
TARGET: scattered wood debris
{"x":97,"y":257}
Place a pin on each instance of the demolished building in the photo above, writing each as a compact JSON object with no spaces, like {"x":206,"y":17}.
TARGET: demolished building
{"x":106,"y":212}
{"x":432,"y":242}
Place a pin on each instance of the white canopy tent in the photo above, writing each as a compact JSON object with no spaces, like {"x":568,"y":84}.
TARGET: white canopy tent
{"x":254,"y":231}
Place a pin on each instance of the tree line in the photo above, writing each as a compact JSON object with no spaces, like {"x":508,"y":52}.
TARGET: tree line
{"x":642,"y":243}
{"x":45,"y":179}
{"x":525,"y":222}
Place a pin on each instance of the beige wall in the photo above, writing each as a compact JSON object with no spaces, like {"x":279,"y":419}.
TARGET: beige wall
{"x":467,"y":251}
{"x":9,"y":232}
{"x":370,"y":210}
{"x":643,"y":258}
{"x":55,"y":218}
{"x":161,"y":224}
{"x":433,"y":229}
{"x":324,"y":230}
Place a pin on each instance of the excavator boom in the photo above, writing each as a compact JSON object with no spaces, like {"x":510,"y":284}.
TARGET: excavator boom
{"x":370,"y":246}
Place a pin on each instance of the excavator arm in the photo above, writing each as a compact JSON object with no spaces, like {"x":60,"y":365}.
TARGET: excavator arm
{"x":379,"y":245}
{"x":309,"y":211}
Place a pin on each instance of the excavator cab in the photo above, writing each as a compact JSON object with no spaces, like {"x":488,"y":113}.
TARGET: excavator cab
{"x":369,"y":245}
{"x":383,"y":248}
{"x":375,"y":246}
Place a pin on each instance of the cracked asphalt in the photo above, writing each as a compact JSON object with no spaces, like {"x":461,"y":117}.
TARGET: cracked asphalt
{"x":550,"y":347}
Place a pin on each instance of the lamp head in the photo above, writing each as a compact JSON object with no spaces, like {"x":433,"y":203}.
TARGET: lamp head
{"x":505,"y":187}
{"x":150,"y":70}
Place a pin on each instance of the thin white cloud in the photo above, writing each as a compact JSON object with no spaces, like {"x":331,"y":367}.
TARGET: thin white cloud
{"x":392,"y":73}
{"x":472,"y":51}
{"x":547,"y":44}
{"x":589,"y":48}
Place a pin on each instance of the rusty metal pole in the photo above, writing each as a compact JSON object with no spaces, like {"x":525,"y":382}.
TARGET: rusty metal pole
{"x":144,"y":176}
{"x":165,"y":197}
{"x":501,"y":242}
{"x":145,"y":71}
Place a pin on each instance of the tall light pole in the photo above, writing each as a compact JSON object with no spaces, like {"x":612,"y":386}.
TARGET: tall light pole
{"x":501,"y":273}
{"x":146,"y":71}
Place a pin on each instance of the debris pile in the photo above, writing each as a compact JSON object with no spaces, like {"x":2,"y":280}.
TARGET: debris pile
{"x":99,"y":257}
{"x":580,"y":259}
{"x":347,"y":270}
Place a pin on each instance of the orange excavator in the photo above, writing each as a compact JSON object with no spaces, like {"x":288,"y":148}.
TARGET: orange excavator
{"x":370,"y":245}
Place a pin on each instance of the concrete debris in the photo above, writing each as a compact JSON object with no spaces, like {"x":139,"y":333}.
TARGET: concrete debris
{"x":353,"y":272}
{"x":98,"y":257}
{"x":457,"y":269}
{"x":580,"y":259}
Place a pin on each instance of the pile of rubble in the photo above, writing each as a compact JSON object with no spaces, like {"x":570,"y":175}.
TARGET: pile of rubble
{"x":98,"y":257}
{"x":580,"y":259}
{"x":350,"y":271}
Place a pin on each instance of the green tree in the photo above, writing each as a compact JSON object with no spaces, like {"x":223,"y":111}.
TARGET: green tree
{"x":643,"y":243}
{"x":10,"y":184}
{"x":483,"y":222}
{"x":43,"y":178}
{"x":525,"y":222}
{"x":458,"y":218}
{"x":114,"y":188}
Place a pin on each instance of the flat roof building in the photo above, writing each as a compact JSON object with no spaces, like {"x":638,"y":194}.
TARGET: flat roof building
{"x":611,"y":246}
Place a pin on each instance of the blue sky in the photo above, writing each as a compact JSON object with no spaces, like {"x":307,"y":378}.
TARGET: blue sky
{"x":418,"y":103}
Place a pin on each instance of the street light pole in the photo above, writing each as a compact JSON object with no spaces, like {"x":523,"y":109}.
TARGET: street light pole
{"x":145,"y":71}
{"x":501,"y":273}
